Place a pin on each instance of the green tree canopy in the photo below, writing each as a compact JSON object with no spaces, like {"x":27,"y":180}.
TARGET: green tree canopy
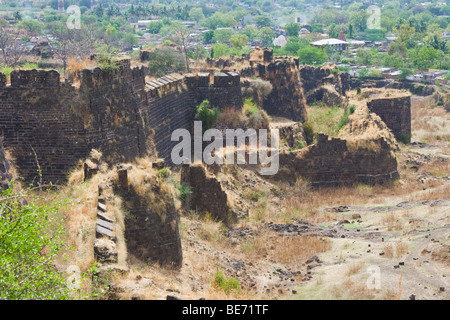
{"x":312,"y":55}
{"x":292,"y":29}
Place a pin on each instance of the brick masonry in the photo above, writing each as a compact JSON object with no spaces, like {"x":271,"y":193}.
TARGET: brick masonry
{"x":52,"y":124}
{"x":207,"y":193}
{"x":330,"y":162}
{"x":395,"y":112}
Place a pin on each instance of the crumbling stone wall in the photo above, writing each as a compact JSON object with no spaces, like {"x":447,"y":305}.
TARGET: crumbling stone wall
{"x":223,"y":90}
{"x":331,"y":162}
{"x":52,"y":124}
{"x":150,"y":235}
{"x":286,"y":98}
{"x":395,"y":112}
{"x":207,"y":193}
{"x":322,"y":84}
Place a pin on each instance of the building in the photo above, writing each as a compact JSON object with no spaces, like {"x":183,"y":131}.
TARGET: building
{"x":60,"y":5}
{"x":280,"y":41}
{"x":334,"y":44}
{"x":303,"y":32}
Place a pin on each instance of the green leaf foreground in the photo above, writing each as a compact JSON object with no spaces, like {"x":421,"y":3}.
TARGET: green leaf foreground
{"x":30,"y":239}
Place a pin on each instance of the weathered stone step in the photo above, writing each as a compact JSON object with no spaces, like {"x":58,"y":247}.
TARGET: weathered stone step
{"x":100,"y":231}
{"x":103,"y":216}
{"x":101,"y":206}
{"x":105,"y":224}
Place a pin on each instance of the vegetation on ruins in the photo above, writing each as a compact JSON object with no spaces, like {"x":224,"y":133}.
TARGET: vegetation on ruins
{"x":207,"y":114}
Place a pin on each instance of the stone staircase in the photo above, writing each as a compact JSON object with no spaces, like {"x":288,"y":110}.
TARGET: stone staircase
{"x":105,"y":245}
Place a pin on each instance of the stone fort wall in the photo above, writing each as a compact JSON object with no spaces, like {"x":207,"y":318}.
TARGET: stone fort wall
{"x":49,"y":124}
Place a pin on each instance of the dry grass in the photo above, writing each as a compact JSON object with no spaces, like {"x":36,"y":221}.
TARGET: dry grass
{"x":388,"y":251}
{"x":351,"y":290}
{"x":401,"y":249}
{"x":74,"y":67}
{"x":354,"y":268}
{"x":144,"y":180}
{"x":392,"y":222}
{"x":294,"y":251}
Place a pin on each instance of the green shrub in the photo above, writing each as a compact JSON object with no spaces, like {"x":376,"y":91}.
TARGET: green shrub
{"x":29,"y":66}
{"x":351,"y":109}
{"x":226,"y":284}
{"x":30,"y":239}
{"x":344,"y":118}
{"x":207,"y":115}
{"x":309,"y":132}
{"x":163,"y":173}
{"x":404,"y":138}
{"x":184,"y":191}
{"x":300,"y":144}
{"x":6,"y":71}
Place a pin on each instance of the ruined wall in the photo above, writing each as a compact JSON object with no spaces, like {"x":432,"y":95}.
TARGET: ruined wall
{"x":334,"y":161}
{"x":53,"y":124}
{"x":322,"y":84}
{"x":286,"y":98}
{"x":223,"y":89}
{"x":170,"y":106}
{"x":151,"y":221}
{"x":116,"y":112}
{"x":395,"y":112}
{"x":207,"y":193}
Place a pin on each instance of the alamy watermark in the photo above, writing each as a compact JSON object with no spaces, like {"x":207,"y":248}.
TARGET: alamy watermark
{"x":74,"y":19}
{"x":229,"y":149}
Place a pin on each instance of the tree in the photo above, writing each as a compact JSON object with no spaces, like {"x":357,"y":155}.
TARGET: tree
{"x":368,"y":57}
{"x":64,"y":44}
{"x":199,"y":53}
{"x":405,"y":73}
{"x":292,"y":29}
{"x":208,"y":37}
{"x":405,"y":32}
{"x":222,"y":35}
{"x":394,"y":61}
{"x":219,"y":20}
{"x":312,"y":55}
{"x":263,"y":21}
{"x":425,"y":57}
{"x":238,"y":41}
{"x":165,"y":60}
{"x":154,"y":26}
{"x":11,"y":47}
{"x":206,"y":114}
{"x":181,"y":36}
{"x":18,"y":16}
{"x":196,"y":14}
{"x":294,"y":44}
{"x":358,"y":19}
{"x":317,"y":27}
{"x":30,"y":239}
{"x":266,"y":35}
{"x":251,"y":32}
{"x":129,"y":40}
{"x":31,"y":26}
{"x":219,"y":50}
